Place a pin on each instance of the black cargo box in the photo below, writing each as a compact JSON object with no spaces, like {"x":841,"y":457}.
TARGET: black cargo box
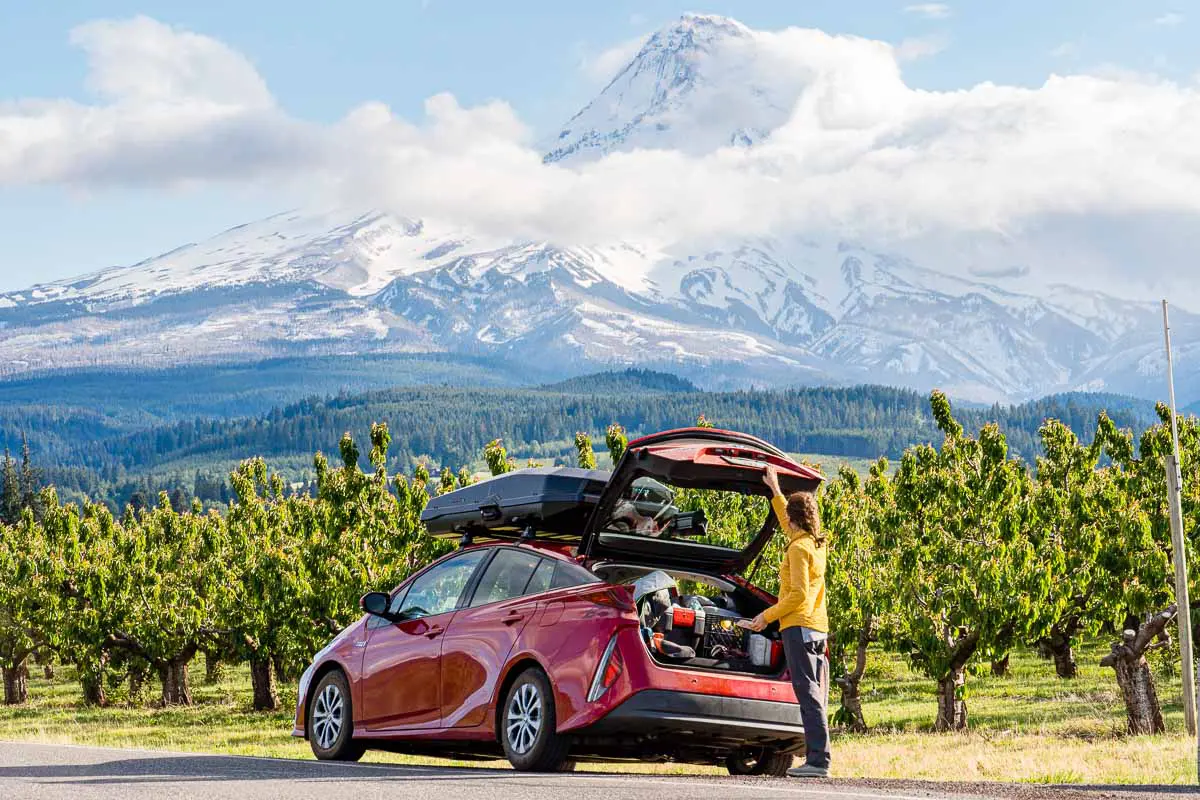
{"x":555,"y":501}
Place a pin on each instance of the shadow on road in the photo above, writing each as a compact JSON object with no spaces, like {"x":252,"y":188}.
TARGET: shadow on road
{"x":218,"y":768}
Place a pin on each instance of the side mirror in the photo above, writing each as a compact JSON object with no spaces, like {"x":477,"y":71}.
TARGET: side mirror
{"x":376,"y":603}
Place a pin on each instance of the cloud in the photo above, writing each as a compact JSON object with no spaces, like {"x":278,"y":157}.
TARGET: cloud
{"x":1018,"y":173}
{"x":929,"y":10}
{"x":1171,"y":19}
{"x":602,"y":67}
{"x":919,"y":47}
{"x":173,"y":106}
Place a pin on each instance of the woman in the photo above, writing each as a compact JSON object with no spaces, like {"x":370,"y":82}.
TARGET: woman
{"x":802,"y":618}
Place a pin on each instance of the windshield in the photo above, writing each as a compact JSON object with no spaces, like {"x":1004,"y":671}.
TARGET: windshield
{"x":653,"y":509}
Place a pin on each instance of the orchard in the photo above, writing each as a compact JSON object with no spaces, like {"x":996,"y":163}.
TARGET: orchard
{"x":953,"y":558}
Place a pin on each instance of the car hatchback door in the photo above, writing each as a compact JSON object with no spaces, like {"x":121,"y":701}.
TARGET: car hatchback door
{"x":482,"y":635}
{"x":401,"y":684}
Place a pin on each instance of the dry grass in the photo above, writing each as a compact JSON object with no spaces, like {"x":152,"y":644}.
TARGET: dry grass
{"x":1027,"y":727}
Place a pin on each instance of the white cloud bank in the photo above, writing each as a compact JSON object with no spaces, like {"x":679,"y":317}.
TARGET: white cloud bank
{"x":863,"y":155}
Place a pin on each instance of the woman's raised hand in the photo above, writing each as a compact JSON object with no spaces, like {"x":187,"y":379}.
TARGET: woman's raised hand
{"x":771,"y":479}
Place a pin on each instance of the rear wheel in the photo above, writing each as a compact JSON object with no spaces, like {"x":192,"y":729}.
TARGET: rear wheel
{"x":767,"y":763}
{"x":330,"y":721}
{"x":528,"y":726}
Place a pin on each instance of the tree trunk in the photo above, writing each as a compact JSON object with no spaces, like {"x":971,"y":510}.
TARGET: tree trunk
{"x":262,"y":679}
{"x":214,"y":668}
{"x":16,"y":686}
{"x":137,"y":682}
{"x":1059,"y":646}
{"x":281,"y":670}
{"x":1000,"y":667}
{"x":1141,"y":697}
{"x":1064,"y":661}
{"x":1128,"y":660}
{"x":42,"y":659}
{"x":174,"y":677}
{"x":851,"y":681}
{"x":952,"y":706}
{"x":93,"y":690}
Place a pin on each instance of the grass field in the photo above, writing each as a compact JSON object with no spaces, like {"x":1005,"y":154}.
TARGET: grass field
{"x":1027,"y":727}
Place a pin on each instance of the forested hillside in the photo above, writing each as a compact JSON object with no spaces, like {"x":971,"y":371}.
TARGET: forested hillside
{"x":90,"y":453}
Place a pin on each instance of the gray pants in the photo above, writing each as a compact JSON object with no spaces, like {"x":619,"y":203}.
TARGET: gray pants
{"x":810,"y":674}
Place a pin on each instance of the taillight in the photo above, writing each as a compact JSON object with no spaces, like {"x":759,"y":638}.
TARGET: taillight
{"x":614,"y":597}
{"x":607,"y":671}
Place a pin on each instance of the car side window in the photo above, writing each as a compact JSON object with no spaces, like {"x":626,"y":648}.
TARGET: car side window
{"x":438,"y":589}
{"x":505,"y":577}
{"x":542,"y":576}
{"x":397,"y":601}
{"x":567,"y":575}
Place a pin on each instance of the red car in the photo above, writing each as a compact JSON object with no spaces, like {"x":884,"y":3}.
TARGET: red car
{"x":585,"y":616}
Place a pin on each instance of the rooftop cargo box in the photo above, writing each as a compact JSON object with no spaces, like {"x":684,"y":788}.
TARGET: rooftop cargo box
{"x":555,"y":501}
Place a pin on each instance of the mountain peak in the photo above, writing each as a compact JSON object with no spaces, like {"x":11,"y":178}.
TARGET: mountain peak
{"x":701,"y":83}
{"x":693,"y":28}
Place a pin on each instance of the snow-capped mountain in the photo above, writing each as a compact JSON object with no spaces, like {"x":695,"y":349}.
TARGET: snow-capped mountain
{"x":694,"y":86}
{"x":778,"y":311}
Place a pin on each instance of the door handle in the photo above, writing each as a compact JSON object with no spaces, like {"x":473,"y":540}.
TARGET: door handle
{"x":434,"y":632}
{"x":512,"y":618}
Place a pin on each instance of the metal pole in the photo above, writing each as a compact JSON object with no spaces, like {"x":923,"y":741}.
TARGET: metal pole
{"x":1179,"y":555}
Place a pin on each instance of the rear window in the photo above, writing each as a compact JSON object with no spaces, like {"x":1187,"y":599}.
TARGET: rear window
{"x":505,"y":577}
{"x":650,"y":508}
{"x":542,"y":578}
{"x":567,"y":575}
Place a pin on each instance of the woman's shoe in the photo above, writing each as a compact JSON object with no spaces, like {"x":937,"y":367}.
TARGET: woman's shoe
{"x":808,"y":771}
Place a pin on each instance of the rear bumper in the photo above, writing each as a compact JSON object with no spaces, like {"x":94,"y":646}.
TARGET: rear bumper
{"x":662,"y":720}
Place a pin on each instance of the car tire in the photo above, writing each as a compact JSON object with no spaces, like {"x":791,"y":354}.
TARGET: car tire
{"x":769,"y":764}
{"x":528,"y":726}
{"x":330,"y":720}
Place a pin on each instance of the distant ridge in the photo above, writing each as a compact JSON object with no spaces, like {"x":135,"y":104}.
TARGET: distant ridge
{"x":615,"y":381}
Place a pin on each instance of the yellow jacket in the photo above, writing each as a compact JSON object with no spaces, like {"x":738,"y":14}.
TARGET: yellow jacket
{"x":801,"y":579}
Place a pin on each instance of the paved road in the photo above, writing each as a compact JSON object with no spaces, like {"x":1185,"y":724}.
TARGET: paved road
{"x":50,"y":772}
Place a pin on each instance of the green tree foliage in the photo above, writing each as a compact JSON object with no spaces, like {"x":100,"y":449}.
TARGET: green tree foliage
{"x":497,"y":458}
{"x":10,"y":492}
{"x":583,"y":448}
{"x":857,"y":517}
{"x":1137,"y":529}
{"x":967,"y":578}
{"x":617,"y":440}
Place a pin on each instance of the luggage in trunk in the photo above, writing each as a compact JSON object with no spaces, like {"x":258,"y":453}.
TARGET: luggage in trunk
{"x":555,"y":502}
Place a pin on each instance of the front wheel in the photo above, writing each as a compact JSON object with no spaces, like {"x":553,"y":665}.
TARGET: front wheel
{"x":330,"y":721}
{"x":528,"y":726}
{"x":764,"y":763}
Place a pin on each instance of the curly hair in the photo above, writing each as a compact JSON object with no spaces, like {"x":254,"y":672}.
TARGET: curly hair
{"x":805,"y":515}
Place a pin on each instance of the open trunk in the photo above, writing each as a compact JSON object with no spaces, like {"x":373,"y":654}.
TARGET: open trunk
{"x":690,"y":621}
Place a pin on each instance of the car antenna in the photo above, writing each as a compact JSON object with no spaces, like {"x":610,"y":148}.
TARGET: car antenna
{"x":529,"y":534}
{"x":468,"y":539}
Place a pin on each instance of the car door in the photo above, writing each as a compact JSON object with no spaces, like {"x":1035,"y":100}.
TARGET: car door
{"x":483,"y":633}
{"x":401,"y":683}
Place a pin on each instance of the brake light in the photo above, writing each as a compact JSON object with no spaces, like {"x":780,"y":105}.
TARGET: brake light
{"x":618,"y":598}
{"x":607,"y":671}
{"x":613,"y":670}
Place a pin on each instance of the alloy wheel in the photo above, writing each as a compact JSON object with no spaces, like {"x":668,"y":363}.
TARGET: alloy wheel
{"x":524,"y":718}
{"x":327,"y":716}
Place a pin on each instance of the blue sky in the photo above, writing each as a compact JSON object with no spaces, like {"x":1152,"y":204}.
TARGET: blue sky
{"x":320,"y":60}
